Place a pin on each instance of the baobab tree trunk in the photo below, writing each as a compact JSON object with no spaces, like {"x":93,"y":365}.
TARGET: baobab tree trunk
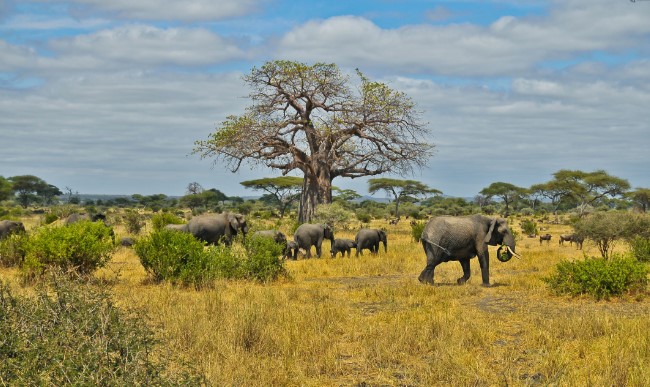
{"x":316,"y":189}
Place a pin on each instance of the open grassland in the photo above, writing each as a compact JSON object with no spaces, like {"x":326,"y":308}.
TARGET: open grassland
{"x":350,"y":321}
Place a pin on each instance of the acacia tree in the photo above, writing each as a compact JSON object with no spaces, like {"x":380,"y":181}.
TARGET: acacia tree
{"x":285,"y":190}
{"x":587,"y":188}
{"x":641,"y":198}
{"x":508,"y":193}
{"x":401,"y":190}
{"x":31,"y":189}
{"x":310,"y":118}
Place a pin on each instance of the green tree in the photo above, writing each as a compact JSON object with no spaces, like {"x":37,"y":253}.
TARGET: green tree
{"x":508,"y":193}
{"x":283,"y":191}
{"x":5,"y":189}
{"x":588,"y":188}
{"x":28,"y":188}
{"x":312,"y":118}
{"x":606,"y":229}
{"x":401,"y":190}
{"x":641,"y":198}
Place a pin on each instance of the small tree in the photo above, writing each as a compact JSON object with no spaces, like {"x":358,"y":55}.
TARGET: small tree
{"x":284,"y":190}
{"x":5,"y":189}
{"x":29,"y":188}
{"x":606,"y":229}
{"x":508,"y":193}
{"x":401,"y":190}
{"x":641,"y":198}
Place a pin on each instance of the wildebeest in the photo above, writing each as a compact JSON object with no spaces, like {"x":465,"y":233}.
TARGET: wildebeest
{"x":545,"y":237}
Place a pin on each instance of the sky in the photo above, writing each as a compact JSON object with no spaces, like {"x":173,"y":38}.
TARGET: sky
{"x":108,"y":97}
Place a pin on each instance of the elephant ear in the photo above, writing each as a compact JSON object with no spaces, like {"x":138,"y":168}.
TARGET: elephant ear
{"x":234,"y":222}
{"x":488,"y":236}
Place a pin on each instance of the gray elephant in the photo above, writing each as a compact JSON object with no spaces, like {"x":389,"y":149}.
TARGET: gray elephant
{"x":369,"y":238}
{"x":308,"y":235}
{"x":77,"y":217}
{"x":343,"y":246}
{"x":8,"y":227}
{"x":449,"y":238}
{"x":291,"y":251}
{"x":213,"y":228}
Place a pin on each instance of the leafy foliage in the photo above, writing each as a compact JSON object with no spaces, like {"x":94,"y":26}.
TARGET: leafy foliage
{"x":74,"y":334}
{"x":333,"y":214}
{"x":133,"y":221}
{"x":640,"y":248}
{"x":159,"y":221}
{"x":13,"y":249}
{"x":598,"y":277}
{"x":416,"y":230}
{"x":79,"y":248}
{"x":261,"y":261}
{"x":529,"y":226}
{"x":607,"y":228}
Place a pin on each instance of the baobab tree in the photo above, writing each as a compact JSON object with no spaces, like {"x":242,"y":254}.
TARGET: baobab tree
{"x":314,"y":119}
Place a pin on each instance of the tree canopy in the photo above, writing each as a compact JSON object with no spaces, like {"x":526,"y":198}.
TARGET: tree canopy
{"x":283,"y":191}
{"x":401,"y":190}
{"x":31,"y":189}
{"x":312,"y":118}
{"x":507,"y":192}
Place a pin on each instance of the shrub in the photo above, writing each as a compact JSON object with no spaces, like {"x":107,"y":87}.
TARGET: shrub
{"x":607,"y":228}
{"x":640,"y":247}
{"x":50,"y":218}
{"x":13,"y":249}
{"x":527,"y":211}
{"x":162,"y":219}
{"x":598,"y":277}
{"x":176,"y":257}
{"x":133,"y":222}
{"x":529,"y":227}
{"x":72,"y":333}
{"x":262,"y":262}
{"x":333,"y":214}
{"x":363,"y":216}
{"x":79,"y":248}
{"x":416,"y":230}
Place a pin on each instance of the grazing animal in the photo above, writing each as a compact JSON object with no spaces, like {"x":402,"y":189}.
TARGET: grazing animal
{"x":566,"y":238}
{"x":369,"y":239}
{"x":545,"y":237}
{"x":8,"y":227}
{"x":393,"y":221}
{"x":343,"y":246}
{"x":450,"y":238}
{"x":308,"y":235}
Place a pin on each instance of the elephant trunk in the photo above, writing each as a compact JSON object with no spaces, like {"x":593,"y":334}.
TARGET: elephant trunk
{"x":509,"y":245}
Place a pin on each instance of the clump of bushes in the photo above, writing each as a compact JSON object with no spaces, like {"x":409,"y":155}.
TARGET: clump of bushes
{"x":181,"y":259}
{"x":13,"y":249}
{"x":79,"y":248}
{"x":599,"y":278}
{"x":133,"y":221}
{"x":74,"y":333}
{"x":529,"y":227}
{"x":640,"y":248}
{"x":162,"y":219}
{"x":416,"y":230}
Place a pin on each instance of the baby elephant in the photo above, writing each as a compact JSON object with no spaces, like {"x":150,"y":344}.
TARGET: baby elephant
{"x":343,"y":246}
{"x":545,"y":237}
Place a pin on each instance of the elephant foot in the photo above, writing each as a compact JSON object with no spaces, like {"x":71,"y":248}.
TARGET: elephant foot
{"x":487,"y":285}
{"x":461,"y":281}
{"x":425,"y":280}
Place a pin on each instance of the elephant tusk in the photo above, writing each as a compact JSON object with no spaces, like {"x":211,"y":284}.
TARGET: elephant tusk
{"x":513,"y":253}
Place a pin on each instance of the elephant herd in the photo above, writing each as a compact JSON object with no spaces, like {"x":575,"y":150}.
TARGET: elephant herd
{"x":444,"y":238}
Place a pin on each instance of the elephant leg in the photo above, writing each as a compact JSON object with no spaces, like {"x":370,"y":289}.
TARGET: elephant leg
{"x":426,"y":276}
{"x":484,"y":261}
{"x":318,"y":250}
{"x":464,"y":263}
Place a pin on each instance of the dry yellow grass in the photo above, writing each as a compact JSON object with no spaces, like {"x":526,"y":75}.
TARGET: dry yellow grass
{"x":347,"y":321}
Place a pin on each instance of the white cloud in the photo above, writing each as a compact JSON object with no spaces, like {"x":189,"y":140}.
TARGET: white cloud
{"x":187,"y":10}
{"x":140,"y":44}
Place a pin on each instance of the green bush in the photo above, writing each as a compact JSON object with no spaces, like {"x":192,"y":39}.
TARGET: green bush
{"x":50,"y":218}
{"x":79,"y":248}
{"x":529,"y":227}
{"x":262,"y":261}
{"x":599,"y":277}
{"x":363,"y":216}
{"x":181,"y":259}
{"x":162,"y":219}
{"x":74,"y":334}
{"x":13,"y":249}
{"x":640,"y":248}
{"x":416,"y":230}
{"x":133,"y":222}
{"x":177,"y":257}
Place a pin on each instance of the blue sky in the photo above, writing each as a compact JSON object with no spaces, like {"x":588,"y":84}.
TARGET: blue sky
{"x":109,"y":96}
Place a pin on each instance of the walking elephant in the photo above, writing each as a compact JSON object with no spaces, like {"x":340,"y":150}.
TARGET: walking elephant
{"x":308,"y":235}
{"x":8,"y":227}
{"x":214,"y":228}
{"x":291,"y":251}
{"x":368,"y":238}
{"x":449,"y":238}
{"x":343,"y":246}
